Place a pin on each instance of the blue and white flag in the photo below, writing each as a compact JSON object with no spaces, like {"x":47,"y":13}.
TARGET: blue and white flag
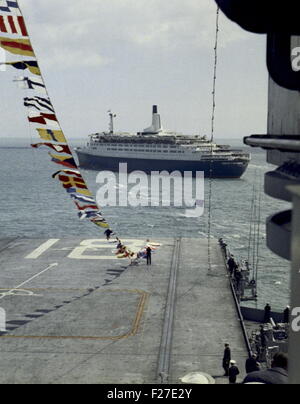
{"x":38,"y":103}
{"x":71,"y":191}
{"x":90,"y":214}
{"x":31,"y":83}
{"x":7,"y":6}
{"x":81,"y":198}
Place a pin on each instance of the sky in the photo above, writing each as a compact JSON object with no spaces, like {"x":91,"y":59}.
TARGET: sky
{"x":127,"y":55}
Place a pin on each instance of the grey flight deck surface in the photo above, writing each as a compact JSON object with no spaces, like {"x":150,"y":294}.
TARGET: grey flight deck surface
{"x":77,"y":314}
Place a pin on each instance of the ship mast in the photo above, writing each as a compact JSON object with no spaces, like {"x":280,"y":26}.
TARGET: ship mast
{"x":111,"y":122}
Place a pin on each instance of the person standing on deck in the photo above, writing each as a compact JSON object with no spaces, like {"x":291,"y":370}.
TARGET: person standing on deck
{"x":252,"y":365}
{"x":277,"y":374}
{"x":286,"y":315}
{"x":233,"y":372}
{"x":108,"y":233}
{"x":149,"y":255}
{"x":232,"y":266}
{"x":267,"y":316}
{"x":226,"y":359}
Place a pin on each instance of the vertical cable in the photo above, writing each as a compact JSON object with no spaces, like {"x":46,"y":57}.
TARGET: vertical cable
{"x":251,"y":224}
{"x":212,"y":139}
{"x":258,"y":231}
{"x":255,"y":223}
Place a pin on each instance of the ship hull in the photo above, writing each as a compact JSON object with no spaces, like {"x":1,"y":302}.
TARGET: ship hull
{"x":220,"y":169}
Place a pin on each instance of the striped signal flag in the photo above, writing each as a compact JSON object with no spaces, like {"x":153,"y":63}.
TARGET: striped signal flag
{"x":43,"y":118}
{"x":39,"y":103}
{"x":13,"y":24}
{"x":66,"y":161}
{"x":59,"y":148}
{"x":17,"y":46}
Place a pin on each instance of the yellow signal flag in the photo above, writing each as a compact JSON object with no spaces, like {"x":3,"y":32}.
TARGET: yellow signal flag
{"x":104,"y":225}
{"x":31,"y":65}
{"x":84,"y":192}
{"x":17,"y":46}
{"x":52,"y":135}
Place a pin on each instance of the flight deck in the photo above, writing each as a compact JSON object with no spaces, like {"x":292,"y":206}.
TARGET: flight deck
{"x":77,"y":314}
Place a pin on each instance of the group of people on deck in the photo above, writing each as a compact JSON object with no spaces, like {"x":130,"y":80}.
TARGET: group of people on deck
{"x":123,"y":251}
{"x":277,"y":374}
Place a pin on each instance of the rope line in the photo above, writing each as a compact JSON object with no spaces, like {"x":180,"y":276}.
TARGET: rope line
{"x":212,"y":138}
{"x":258,"y":240}
{"x":251,"y":224}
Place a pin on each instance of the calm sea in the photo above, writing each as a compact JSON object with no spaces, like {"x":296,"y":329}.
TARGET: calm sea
{"x":35,"y":206}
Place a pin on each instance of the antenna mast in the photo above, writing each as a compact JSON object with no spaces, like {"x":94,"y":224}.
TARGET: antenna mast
{"x":111,"y":122}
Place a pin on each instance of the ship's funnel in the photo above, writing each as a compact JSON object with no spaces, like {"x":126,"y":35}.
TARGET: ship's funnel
{"x":156,"y":123}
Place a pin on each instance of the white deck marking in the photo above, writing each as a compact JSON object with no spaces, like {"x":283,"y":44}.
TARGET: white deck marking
{"x":96,"y":245}
{"x":10,"y":292}
{"x":19,"y":292}
{"x":2,"y":320}
{"x":85,"y":246}
{"x":42,"y":248}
